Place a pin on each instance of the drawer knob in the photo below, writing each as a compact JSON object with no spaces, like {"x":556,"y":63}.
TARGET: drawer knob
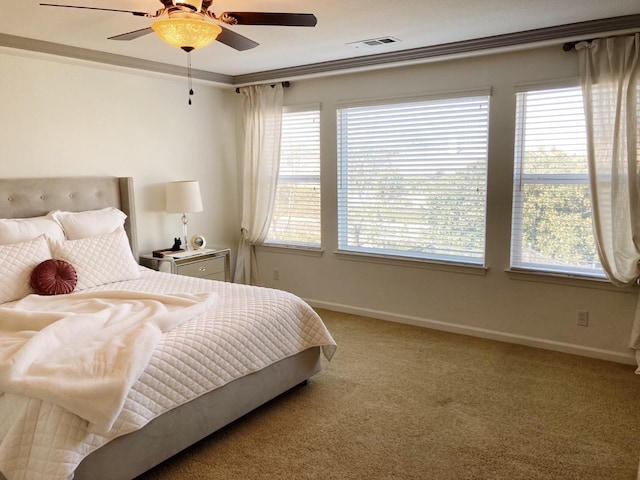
{"x":202,"y":269}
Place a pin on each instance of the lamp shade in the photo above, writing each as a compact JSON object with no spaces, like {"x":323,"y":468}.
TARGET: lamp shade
{"x":184,"y":197}
{"x":186,"y":33}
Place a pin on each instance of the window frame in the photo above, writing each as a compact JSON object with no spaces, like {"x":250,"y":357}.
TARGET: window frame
{"x":439,"y":261}
{"x":520,"y":179}
{"x":307,"y":179}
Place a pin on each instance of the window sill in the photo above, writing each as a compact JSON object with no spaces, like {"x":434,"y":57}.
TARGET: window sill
{"x":465,"y":268}
{"x":568,"y":280}
{"x":294,"y":249}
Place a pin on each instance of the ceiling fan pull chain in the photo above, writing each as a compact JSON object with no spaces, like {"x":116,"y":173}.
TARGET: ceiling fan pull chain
{"x":189,"y":74}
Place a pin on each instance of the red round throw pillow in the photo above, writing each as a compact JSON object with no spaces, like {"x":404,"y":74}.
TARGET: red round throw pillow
{"x":54,"y":277}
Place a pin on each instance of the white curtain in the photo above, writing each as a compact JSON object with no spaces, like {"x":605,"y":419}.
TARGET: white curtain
{"x":609,"y":70}
{"x":262,"y":115}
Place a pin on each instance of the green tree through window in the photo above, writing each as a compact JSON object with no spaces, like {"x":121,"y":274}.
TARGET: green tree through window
{"x":412,"y":179}
{"x":552,"y":218}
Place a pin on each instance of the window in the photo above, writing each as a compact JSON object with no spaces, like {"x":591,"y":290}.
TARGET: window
{"x":552,"y":229}
{"x":296,"y":216}
{"x":412,"y":179}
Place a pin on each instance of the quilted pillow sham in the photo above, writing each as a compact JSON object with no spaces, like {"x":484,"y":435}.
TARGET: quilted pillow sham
{"x":90,"y":223}
{"x":15,"y":230}
{"x":53,"y":277}
{"x":99,"y":260}
{"x":18,"y":261}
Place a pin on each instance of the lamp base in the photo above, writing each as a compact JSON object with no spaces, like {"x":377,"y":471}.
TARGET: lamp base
{"x":185,"y":238}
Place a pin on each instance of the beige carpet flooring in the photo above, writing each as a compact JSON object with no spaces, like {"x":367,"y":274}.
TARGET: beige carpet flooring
{"x":402,"y":402}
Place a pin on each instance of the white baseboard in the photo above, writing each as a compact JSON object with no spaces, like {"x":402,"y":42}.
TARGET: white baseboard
{"x":571,"y":348}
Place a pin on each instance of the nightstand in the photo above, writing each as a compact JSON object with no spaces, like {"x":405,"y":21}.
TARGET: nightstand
{"x":211,"y":263}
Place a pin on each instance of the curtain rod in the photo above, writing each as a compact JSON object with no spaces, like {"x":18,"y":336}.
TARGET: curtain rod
{"x":284,"y":84}
{"x":567,"y":47}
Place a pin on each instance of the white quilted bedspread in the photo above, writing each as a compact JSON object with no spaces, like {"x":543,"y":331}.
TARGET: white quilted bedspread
{"x":246,"y":330}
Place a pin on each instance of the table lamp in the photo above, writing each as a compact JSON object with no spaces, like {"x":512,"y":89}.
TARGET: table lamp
{"x":184,"y":197}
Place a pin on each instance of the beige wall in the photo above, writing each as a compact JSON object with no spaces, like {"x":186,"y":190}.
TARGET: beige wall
{"x":64,"y":117}
{"x":495,"y":305}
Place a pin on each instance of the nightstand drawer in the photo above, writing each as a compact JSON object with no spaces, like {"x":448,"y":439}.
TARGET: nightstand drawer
{"x":212,"y":268}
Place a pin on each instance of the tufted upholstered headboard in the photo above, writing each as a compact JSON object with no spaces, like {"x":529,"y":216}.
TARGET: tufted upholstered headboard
{"x":32,"y":197}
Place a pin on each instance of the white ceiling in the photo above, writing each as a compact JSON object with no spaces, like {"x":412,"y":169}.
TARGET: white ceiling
{"x":416,"y":23}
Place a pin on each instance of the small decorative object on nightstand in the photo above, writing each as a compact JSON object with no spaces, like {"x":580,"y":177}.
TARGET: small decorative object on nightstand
{"x":198,"y":242}
{"x":210,"y":263}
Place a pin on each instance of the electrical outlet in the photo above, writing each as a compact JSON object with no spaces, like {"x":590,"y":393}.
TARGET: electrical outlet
{"x":276,"y":274}
{"x":583,"y":318}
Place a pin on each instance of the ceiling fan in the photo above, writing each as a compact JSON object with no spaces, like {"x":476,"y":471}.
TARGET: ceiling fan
{"x":187,"y":29}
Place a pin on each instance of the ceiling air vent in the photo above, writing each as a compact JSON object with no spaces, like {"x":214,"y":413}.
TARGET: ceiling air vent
{"x":373,"y":42}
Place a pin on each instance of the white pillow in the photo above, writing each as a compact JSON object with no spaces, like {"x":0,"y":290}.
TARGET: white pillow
{"x":14,"y":230}
{"x":18,"y":261}
{"x":99,"y":260}
{"x":90,"y":223}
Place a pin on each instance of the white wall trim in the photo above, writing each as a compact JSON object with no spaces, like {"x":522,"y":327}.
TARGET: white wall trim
{"x":609,"y":355}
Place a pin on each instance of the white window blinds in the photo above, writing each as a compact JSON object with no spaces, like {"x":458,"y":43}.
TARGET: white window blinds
{"x":296,"y":218}
{"x":552,"y":225}
{"x":412,"y":179}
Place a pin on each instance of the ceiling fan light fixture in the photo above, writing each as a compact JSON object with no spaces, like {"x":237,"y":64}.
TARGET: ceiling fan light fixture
{"x":186,"y":33}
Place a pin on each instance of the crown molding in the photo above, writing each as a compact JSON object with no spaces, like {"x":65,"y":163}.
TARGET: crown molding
{"x":40,"y":46}
{"x":559,"y":33}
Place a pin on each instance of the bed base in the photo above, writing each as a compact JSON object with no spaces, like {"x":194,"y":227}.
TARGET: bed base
{"x":130,"y":455}
{"x":183,"y":426}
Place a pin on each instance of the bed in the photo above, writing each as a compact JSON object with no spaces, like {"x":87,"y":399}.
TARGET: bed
{"x":236,"y":348}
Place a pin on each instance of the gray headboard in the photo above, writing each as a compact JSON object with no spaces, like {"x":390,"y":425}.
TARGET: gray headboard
{"x":32,"y":197}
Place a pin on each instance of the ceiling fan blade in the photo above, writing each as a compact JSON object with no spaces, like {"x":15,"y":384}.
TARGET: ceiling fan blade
{"x":138,"y":14}
{"x":132,"y":35}
{"x":235,"y":40}
{"x":264,"y":18}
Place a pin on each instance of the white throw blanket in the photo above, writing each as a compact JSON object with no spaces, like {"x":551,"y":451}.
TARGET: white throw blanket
{"x":84,"y":351}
